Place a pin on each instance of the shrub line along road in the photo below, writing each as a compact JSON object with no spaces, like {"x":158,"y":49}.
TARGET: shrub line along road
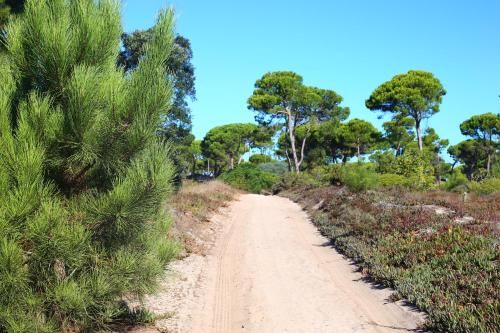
{"x":271,"y":271}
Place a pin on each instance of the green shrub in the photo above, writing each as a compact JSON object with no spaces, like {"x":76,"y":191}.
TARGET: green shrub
{"x":417,"y":167}
{"x":277,"y":167}
{"x":291,"y":180}
{"x":83,"y":178}
{"x":250,"y":178}
{"x":139,"y":316}
{"x":359,"y":178}
{"x":260,"y":158}
{"x":495,"y":169}
{"x":327,"y":174}
{"x":385,"y":162}
{"x":455,"y":181}
{"x":421,"y":182}
{"x":391,"y":179}
{"x":487,"y":186}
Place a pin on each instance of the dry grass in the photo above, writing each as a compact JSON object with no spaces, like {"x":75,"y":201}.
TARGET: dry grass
{"x":192,"y":208}
{"x":480,"y":207}
{"x":202,"y":199}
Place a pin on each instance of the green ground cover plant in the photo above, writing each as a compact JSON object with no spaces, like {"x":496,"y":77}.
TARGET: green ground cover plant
{"x":448,"y":269}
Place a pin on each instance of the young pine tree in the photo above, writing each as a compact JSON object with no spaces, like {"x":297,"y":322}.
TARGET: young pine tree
{"x":83,"y":177}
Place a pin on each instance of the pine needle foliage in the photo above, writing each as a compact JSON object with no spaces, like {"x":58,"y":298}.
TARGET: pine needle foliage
{"x":83,"y":176}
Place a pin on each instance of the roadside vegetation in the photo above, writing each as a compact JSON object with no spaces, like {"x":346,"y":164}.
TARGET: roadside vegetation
{"x":437,"y":251}
{"x":191,"y":208}
{"x":250,"y":178}
{"x":202,"y":199}
{"x":95,"y":137}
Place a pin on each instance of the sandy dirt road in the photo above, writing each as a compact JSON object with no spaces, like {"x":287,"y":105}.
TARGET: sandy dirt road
{"x":271,"y":271}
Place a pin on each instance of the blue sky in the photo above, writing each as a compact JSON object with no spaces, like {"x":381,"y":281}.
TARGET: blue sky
{"x":350,"y":46}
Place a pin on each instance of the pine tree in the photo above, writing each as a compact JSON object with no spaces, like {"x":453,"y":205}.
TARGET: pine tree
{"x":83,"y":176}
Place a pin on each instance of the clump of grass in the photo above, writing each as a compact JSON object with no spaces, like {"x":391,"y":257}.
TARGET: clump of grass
{"x":201,"y":200}
{"x":193,"y":205}
{"x":141,"y":316}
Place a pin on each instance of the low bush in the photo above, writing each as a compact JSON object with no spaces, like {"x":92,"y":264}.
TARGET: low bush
{"x":451,"y":274}
{"x":456,"y":182}
{"x":479,"y":206}
{"x":487,"y":186}
{"x":421,"y":182}
{"x":250,"y":178}
{"x":327,"y":174}
{"x":292,"y":180}
{"x":359,"y":178}
{"x":392,"y":180}
{"x":276,"y":167}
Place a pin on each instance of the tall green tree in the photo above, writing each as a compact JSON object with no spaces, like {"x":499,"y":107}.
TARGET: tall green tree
{"x":473,"y":155}
{"x":416,"y":94}
{"x":359,"y":137}
{"x":226,"y":144}
{"x":485,"y":128}
{"x":282,"y":101}
{"x":195,"y":155}
{"x":83,"y":176}
{"x":313,"y":153}
{"x":398,"y":133}
{"x":176,"y":125}
{"x":330,"y":138}
{"x":435,"y":145}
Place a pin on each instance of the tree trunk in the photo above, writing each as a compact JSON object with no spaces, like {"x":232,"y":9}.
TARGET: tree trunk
{"x":232,"y":163}
{"x":288,"y":160}
{"x":292,"y":142}
{"x":470,"y":172}
{"x":453,"y":166}
{"x":208,"y":166}
{"x":302,"y":152}
{"x":438,"y":169}
{"x":488,"y":164}
{"x":419,"y":135}
{"x":398,"y":148}
{"x":358,"y":153}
